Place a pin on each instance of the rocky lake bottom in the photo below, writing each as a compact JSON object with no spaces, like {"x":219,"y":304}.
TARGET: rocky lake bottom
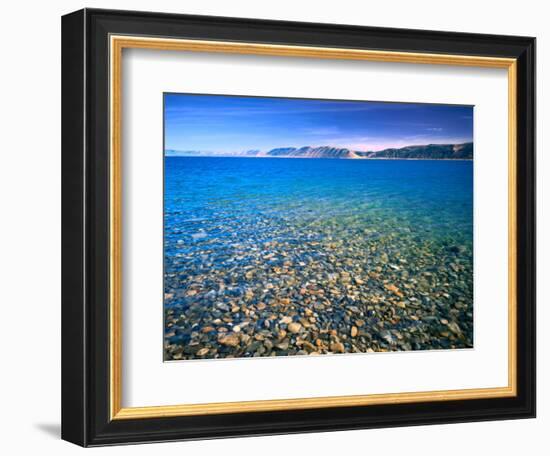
{"x":276,"y":257}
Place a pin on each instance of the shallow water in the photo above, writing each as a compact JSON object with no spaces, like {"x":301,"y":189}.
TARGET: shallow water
{"x":243,"y":231}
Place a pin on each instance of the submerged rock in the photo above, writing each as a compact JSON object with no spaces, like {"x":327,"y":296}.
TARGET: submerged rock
{"x":231,"y":340}
{"x":328,"y":274}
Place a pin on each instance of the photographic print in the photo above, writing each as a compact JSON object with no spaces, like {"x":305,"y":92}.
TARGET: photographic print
{"x":259,"y":201}
{"x":315,"y":227}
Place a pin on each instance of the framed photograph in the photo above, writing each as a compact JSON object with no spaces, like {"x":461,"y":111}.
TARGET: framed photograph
{"x":279,"y":227}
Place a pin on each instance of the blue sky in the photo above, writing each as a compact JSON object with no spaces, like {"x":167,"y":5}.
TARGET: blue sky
{"x":220,"y":123}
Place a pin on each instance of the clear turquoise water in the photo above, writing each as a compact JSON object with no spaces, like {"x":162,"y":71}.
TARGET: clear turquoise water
{"x":231,"y":223}
{"x":216,"y":202}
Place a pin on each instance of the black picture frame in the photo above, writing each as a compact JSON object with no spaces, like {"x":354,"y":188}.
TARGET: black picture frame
{"x":85,"y":224}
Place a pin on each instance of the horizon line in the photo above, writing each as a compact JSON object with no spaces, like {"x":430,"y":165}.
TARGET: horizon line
{"x":243,"y":152}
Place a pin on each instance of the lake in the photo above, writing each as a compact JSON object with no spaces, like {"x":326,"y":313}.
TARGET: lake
{"x":271,"y":257}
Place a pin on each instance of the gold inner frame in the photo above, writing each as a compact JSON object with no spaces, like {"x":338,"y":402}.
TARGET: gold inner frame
{"x":117,"y":44}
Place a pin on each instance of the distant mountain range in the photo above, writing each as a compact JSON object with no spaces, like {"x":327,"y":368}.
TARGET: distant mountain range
{"x":463,"y":151}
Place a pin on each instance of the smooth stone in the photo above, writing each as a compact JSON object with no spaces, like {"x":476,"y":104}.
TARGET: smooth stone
{"x":231,"y":340}
{"x":308,"y":345}
{"x":294,"y":328}
{"x":222,"y":306}
{"x":453,"y":326}
{"x":386,"y":335}
{"x":282,"y":345}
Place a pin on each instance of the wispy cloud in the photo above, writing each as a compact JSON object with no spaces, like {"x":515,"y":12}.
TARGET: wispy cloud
{"x":251,"y":111}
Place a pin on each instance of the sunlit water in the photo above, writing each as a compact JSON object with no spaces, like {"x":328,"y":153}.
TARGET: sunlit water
{"x":229,"y":221}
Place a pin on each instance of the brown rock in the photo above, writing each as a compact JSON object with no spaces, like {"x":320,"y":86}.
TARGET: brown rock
{"x":453,"y":326}
{"x":294,"y":328}
{"x":231,"y":340}
{"x":308,"y":346}
{"x":282,"y":345}
{"x":391,"y":287}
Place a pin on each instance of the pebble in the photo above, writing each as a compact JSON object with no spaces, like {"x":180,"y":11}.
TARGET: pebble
{"x":282,"y":345}
{"x":328,"y":282}
{"x":231,"y":340}
{"x":294,"y":328}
